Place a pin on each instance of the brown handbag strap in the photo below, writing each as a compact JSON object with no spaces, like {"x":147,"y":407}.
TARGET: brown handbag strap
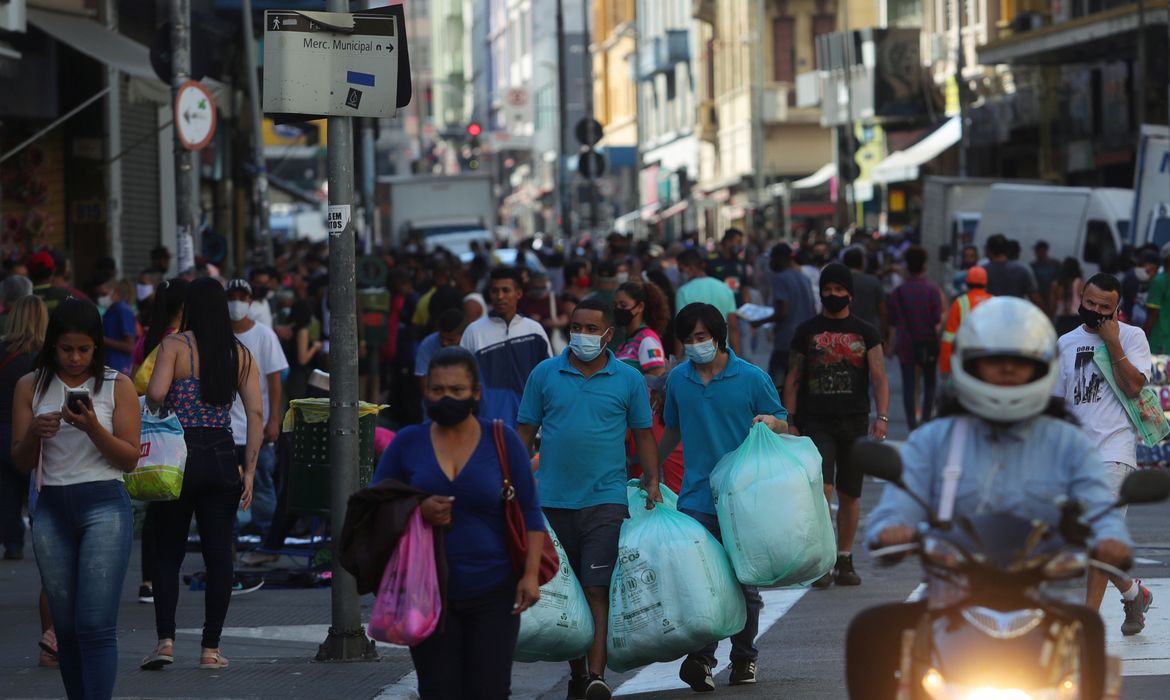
{"x":502,"y":454}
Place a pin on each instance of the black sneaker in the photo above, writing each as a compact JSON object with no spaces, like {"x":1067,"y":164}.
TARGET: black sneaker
{"x":243,"y":584}
{"x":597,"y":689}
{"x":823,"y":582}
{"x":844,"y":573}
{"x":577,"y":687}
{"x":145,"y":594}
{"x":743,"y":673}
{"x":697,"y":674}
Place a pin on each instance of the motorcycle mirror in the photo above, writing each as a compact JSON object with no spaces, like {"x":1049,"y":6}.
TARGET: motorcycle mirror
{"x":878,"y":459}
{"x":1145,"y":486}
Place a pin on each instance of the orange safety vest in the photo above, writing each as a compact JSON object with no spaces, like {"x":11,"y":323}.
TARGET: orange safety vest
{"x":960,"y":308}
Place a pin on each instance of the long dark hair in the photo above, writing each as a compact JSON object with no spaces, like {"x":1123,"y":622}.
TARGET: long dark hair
{"x":72,"y":316}
{"x":205,"y":314}
{"x":168,"y":302}
{"x":656,"y":309}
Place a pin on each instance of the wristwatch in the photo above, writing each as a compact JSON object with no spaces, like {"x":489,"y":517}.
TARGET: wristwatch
{"x":884,"y":419}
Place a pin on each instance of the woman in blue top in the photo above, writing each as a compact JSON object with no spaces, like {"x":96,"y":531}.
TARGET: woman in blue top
{"x":453,"y":456}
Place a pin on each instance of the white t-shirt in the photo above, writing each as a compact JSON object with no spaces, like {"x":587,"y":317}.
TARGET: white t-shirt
{"x":1089,"y":397}
{"x":262,"y":342}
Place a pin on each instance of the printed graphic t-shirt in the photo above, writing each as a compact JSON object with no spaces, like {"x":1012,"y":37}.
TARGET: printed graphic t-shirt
{"x":836,"y":369}
{"x":1090,"y":398}
{"x":643,"y":351}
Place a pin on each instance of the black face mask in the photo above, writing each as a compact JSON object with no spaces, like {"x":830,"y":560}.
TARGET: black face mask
{"x":449,"y":411}
{"x":833,"y":303}
{"x":623,"y":317}
{"x":259,"y":293}
{"x":1091,"y":318}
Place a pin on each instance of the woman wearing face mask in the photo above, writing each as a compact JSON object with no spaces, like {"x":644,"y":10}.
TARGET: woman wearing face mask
{"x":453,"y":456}
{"x":1066,"y":296}
{"x":118,"y":321}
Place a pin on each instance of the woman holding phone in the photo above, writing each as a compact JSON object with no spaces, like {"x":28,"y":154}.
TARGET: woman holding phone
{"x":76,"y":422}
{"x":197,"y":375}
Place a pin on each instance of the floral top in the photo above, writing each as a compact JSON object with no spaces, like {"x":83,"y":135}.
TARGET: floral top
{"x":185,"y":400}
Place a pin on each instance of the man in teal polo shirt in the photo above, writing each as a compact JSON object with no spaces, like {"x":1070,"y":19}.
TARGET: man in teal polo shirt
{"x":712,"y":401}
{"x":585,"y":400}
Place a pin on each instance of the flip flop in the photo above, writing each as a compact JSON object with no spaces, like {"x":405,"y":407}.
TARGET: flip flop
{"x":157,"y":658}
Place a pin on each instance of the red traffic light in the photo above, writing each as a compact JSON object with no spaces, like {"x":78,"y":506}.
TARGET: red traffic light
{"x":474,"y":129}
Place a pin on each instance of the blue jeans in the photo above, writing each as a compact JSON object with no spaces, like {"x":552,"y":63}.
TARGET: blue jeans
{"x":743,"y":643}
{"x":82,"y":537}
{"x":263,"y":490}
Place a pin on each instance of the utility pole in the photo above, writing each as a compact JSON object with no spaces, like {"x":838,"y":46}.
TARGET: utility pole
{"x":587,"y":62}
{"x":757,"y":78}
{"x":184,"y":159}
{"x":260,"y":228}
{"x":113,"y":115}
{"x":960,"y":85}
{"x":565,"y":209}
{"x":347,"y":640}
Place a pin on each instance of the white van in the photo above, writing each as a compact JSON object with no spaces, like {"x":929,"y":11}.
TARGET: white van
{"x":1089,"y":224}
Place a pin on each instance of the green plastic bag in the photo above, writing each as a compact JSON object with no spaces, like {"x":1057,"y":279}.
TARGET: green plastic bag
{"x":637,"y":497}
{"x":162,"y":460}
{"x":559,"y":627}
{"x":770,"y":499}
{"x":672,"y":590}
{"x":1144,"y":411}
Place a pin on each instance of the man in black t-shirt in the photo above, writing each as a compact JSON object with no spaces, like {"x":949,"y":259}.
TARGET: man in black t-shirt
{"x":835,"y":357}
{"x":726,"y":266}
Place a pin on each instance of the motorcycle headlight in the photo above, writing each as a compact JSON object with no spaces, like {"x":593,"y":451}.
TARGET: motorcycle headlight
{"x":1066,"y":565}
{"x":937,"y":688}
{"x":942,"y":553}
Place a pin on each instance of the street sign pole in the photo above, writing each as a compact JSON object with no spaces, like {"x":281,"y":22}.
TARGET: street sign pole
{"x":260,"y":228}
{"x":347,"y":640}
{"x":184,"y":187}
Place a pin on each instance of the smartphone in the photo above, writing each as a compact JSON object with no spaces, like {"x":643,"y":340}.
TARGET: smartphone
{"x":74,"y":398}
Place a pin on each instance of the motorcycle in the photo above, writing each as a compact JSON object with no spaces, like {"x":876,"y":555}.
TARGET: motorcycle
{"x":988,"y":632}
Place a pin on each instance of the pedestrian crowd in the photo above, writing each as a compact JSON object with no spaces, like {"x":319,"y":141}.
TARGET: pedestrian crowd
{"x":587,"y":363}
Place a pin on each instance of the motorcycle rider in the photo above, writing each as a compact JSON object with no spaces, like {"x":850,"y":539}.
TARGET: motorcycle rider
{"x":1020,"y":457}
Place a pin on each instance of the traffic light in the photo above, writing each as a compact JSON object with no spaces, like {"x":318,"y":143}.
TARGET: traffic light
{"x":474,"y":129}
{"x":472,"y":148}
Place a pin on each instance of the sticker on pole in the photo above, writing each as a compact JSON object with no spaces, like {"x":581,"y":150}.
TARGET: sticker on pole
{"x":330,"y":63}
{"x":194,"y":116}
{"x":338,"y":219}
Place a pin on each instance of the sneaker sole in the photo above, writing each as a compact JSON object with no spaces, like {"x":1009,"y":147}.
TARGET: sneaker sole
{"x":598,"y":693}
{"x":246,"y":591}
{"x":699,"y":684}
{"x":742,"y":682}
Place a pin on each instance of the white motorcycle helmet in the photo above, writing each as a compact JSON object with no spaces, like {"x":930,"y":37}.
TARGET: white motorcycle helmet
{"x":1005,"y":326}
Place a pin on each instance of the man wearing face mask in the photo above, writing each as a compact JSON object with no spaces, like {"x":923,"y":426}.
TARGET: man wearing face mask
{"x":584,"y":400}
{"x":835,"y":358}
{"x":712,"y":401}
{"x":1100,"y":413}
{"x":725,"y":265}
{"x":699,"y":288}
{"x":262,"y":342}
{"x":118,"y":322}
{"x":260,"y":310}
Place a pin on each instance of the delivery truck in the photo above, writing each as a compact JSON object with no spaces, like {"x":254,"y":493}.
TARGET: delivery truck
{"x":448,"y":211}
{"x":1151,"y":185}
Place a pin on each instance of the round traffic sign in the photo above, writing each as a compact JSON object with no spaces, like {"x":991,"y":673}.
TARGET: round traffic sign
{"x":590,"y":163}
{"x":195,"y":117}
{"x":588,"y":131}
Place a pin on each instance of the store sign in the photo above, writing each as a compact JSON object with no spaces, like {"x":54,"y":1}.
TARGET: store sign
{"x":330,"y":63}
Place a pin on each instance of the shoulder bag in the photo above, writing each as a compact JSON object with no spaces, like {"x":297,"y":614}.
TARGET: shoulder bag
{"x":515,"y":530}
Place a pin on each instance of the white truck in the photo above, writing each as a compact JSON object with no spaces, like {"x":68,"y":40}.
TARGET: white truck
{"x":1151,"y":184}
{"x":448,"y":211}
{"x":1087,"y":223}
{"x":951,"y":210}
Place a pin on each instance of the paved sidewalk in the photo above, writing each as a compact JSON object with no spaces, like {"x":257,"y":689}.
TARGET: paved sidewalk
{"x":271,"y":638}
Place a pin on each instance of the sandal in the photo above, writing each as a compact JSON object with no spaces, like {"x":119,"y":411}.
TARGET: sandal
{"x":212,"y":660}
{"x":48,"y":660}
{"x":48,"y":643}
{"x":163,"y":655}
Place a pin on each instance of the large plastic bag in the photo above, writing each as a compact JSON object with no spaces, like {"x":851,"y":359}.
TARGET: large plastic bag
{"x":559,"y":627}
{"x":672,"y":590}
{"x":770,"y":498}
{"x":162,"y":458}
{"x":407,"y":608}
{"x":637,"y":497}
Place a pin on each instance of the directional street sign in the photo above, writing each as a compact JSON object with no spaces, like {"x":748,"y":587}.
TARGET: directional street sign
{"x":330,"y":63}
{"x":194,"y":116}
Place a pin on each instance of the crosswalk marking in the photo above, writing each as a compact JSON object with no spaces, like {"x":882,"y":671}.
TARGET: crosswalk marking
{"x":1148,"y":653}
{"x":664,"y":676}
{"x":308,"y":634}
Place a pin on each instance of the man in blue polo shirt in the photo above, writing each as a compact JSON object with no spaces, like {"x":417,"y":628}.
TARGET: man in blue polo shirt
{"x":712,"y":401}
{"x":585,"y":400}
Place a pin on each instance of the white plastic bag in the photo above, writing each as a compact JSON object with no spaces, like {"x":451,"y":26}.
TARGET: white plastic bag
{"x":770,"y":498}
{"x":672,"y":591}
{"x":559,"y":627}
{"x":162,"y":460}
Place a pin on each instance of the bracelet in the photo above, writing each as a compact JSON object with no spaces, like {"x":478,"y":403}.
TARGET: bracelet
{"x":1118,"y":360}
{"x":884,"y":419}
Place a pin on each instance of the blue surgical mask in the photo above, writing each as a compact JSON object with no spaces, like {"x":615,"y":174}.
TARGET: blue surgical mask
{"x":701,"y":353}
{"x":585,"y":347}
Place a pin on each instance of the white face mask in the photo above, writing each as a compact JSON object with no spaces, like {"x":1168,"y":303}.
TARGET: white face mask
{"x":1141,"y":273}
{"x":144,"y":291}
{"x":237,"y":310}
{"x":106,"y":302}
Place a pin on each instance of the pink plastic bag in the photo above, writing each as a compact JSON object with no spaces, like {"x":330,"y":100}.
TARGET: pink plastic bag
{"x":407,"y":608}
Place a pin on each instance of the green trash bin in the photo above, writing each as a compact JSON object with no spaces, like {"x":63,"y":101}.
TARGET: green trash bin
{"x":309,"y":483}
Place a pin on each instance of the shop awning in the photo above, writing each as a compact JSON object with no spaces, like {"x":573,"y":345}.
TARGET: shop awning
{"x":903,"y":165}
{"x":117,"y":51}
{"x":1106,"y":35}
{"x":826,"y":172}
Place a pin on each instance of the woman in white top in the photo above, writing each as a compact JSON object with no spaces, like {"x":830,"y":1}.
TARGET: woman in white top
{"x":80,"y":449}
